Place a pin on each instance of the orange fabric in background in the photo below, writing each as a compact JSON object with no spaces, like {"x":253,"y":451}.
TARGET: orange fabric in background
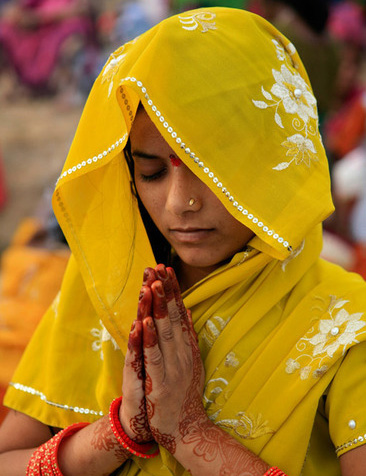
{"x":30,"y":279}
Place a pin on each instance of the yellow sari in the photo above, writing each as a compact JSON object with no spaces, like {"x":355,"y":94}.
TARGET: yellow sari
{"x":277,"y":326}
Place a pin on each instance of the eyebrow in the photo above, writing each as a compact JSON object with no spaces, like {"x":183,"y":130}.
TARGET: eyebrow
{"x":144,"y":155}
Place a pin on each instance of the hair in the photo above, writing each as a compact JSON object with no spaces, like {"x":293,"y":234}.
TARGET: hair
{"x":160,"y":246}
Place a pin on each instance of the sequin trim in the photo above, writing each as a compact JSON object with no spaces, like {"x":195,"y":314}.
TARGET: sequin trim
{"x":349,"y":444}
{"x":89,"y":161}
{"x":42,"y":396}
{"x":206,"y":169}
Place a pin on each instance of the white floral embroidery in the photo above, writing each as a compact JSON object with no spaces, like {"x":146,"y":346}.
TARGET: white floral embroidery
{"x":294,"y":93}
{"x":203,"y":19}
{"x":213,"y":388}
{"x":280,"y":50}
{"x":291,"y":93}
{"x":231,"y":360}
{"x":113,"y":64}
{"x":302,"y":150}
{"x":247,"y":426}
{"x":339,"y":331}
{"x":102,"y":335}
{"x":213,"y":328}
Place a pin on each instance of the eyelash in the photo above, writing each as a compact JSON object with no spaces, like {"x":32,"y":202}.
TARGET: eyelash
{"x":156,"y":176}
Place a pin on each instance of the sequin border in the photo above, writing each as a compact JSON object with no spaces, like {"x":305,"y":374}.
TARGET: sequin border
{"x":349,"y":444}
{"x":206,"y":170}
{"x":42,"y":396}
{"x":94,"y":159}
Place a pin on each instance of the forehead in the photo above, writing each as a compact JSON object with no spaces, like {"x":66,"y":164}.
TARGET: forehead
{"x":146,"y":137}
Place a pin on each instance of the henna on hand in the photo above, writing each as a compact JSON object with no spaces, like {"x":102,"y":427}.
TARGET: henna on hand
{"x":104,"y":440}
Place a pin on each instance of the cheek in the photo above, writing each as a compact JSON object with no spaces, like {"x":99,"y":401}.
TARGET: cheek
{"x":152,"y":200}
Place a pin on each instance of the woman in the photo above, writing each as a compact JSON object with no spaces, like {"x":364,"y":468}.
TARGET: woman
{"x":226,"y":180}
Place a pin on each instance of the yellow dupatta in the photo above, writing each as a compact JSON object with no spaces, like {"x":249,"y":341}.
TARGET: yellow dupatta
{"x":230,"y":95}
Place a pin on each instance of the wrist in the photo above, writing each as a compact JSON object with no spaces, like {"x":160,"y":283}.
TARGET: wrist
{"x":137,"y":449}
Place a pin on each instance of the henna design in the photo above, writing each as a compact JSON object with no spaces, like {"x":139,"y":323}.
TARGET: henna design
{"x":150,"y":409}
{"x":104,"y":440}
{"x":192,"y":410}
{"x":165,"y":440}
{"x":236,"y":462}
{"x":148,"y":384}
{"x":139,"y":424}
{"x":176,"y":162}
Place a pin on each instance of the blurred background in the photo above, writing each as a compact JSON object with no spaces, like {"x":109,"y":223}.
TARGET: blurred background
{"x":50,"y":53}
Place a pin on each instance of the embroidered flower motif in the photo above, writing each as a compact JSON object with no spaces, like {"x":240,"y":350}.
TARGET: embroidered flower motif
{"x":111,"y":70}
{"x":213,"y":388}
{"x":231,"y":360}
{"x":293,"y":96}
{"x":203,"y":19}
{"x":213,"y":328}
{"x":339,"y":332}
{"x":294,"y":93}
{"x":280,"y":50}
{"x":247,"y":426}
{"x":102,"y":335}
{"x":302,"y":150}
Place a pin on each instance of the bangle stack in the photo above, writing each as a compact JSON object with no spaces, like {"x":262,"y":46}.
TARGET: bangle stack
{"x":44,"y":460}
{"x":274,"y":471}
{"x":124,"y":440}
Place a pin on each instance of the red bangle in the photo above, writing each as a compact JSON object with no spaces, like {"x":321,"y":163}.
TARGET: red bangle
{"x":124,"y":440}
{"x":44,"y":459}
{"x":274,"y":471}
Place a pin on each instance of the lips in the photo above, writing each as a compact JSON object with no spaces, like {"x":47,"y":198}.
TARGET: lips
{"x":190,"y":235}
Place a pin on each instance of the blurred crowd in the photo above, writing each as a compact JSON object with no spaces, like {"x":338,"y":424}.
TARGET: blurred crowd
{"x":55,"y":48}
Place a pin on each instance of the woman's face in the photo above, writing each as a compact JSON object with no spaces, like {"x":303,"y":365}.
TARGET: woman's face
{"x":203,"y":234}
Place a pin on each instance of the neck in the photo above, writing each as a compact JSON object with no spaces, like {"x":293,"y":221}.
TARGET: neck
{"x":189,"y":275}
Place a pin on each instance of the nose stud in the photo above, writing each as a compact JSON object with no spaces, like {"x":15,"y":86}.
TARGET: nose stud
{"x":192,"y":201}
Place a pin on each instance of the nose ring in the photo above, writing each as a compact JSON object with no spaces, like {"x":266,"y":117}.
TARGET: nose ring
{"x":192,"y":201}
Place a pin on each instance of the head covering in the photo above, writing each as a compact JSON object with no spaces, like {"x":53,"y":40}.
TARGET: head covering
{"x":248,"y":130}
{"x":230,"y":95}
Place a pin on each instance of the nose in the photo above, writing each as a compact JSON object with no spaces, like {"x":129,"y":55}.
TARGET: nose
{"x":184,"y":191}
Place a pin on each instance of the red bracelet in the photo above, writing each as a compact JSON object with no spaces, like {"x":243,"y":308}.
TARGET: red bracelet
{"x":124,"y":440}
{"x":274,"y":471}
{"x":44,"y":460}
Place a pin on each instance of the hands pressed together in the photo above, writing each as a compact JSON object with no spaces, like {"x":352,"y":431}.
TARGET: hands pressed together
{"x":163,"y":375}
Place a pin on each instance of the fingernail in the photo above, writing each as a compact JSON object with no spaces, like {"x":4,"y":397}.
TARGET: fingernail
{"x":159,"y":289}
{"x":142,"y":292}
{"x":146,"y":275}
{"x":150,"y":323}
{"x":161,"y":272}
{"x":133,"y":326}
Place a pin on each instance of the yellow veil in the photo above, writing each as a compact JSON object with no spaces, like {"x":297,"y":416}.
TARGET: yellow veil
{"x":230,"y":95}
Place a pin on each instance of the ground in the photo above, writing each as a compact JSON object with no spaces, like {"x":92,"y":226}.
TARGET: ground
{"x":35,"y":135}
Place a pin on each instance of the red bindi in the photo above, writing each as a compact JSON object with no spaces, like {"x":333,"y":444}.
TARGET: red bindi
{"x":176,"y":162}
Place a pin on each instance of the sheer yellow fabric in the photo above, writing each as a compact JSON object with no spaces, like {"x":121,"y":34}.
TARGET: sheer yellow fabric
{"x":230,"y":95}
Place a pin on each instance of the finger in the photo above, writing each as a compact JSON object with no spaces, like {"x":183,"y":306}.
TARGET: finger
{"x":173,"y":310}
{"x":144,"y":308}
{"x":192,"y":331}
{"x":165,"y":330}
{"x":178,"y":299}
{"x":133,"y":412}
{"x":162,"y":275}
{"x":153,"y":358}
{"x":133,"y":369}
{"x":149,"y":277}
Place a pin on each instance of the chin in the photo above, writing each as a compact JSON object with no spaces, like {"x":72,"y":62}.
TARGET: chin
{"x":196,"y":260}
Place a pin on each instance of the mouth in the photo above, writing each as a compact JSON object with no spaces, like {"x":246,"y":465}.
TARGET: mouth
{"x":191,"y":235}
